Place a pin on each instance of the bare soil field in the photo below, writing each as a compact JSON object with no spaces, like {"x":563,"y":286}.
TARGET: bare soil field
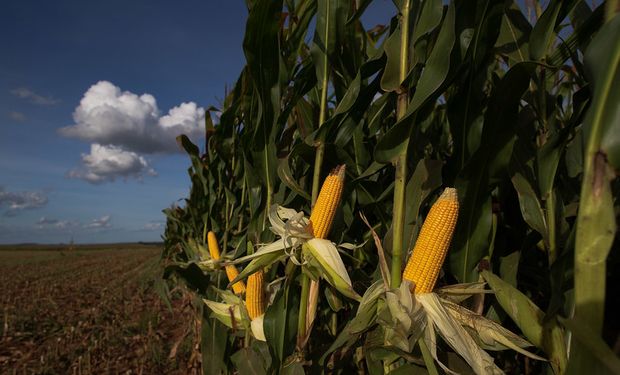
{"x":91,"y":309}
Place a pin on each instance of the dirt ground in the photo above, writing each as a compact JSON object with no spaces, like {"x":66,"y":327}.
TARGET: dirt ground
{"x":91,"y":309}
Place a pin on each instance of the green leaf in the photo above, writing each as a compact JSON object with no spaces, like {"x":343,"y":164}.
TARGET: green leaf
{"x":304,"y":13}
{"x":390,"y":81}
{"x":521,"y":309}
{"x":425,"y":179}
{"x":259,"y":263}
{"x":429,"y":19}
{"x":361,"y":7}
{"x":437,"y":65}
{"x":542,"y":34}
{"x":190,"y":274}
{"x":330,"y":15}
{"x":262,"y":52}
{"x":579,"y":39}
{"x":489,"y":162}
{"x":350,"y":96}
{"x":543,"y":333}
{"x":187,"y":145}
{"x":364,"y":318}
{"x":509,"y":267}
{"x":213,"y":338}
{"x":513,"y":39}
{"x":547,"y":159}
{"x":428,"y":89}
{"x":286,"y":176}
{"x":247,"y":361}
{"x":252,"y":182}
{"x":530,"y":205}
{"x":280,"y":324}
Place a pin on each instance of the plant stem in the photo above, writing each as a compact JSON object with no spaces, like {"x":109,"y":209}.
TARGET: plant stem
{"x":227,"y":227}
{"x":316,"y":180}
{"x":316,"y":177}
{"x":269,"y":187}
{"x":320,"y":149}
{"x":404,"y":41}
{"x":398,"y":220}
{"x":401,"y":162}
{"x":240,"y":226}
{"x":596,"y":220}
{"x":303,"y":309}
{"x":594,"y":240}
{"x":551,"y":225}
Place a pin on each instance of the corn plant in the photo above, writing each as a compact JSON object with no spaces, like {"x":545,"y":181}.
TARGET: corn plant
{"x":434,"y":195}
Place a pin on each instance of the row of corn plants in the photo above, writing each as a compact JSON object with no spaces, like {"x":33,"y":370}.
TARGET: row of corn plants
{"x":435,"y":195}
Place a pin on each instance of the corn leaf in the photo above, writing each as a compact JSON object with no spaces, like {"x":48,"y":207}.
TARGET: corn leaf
{"x":280,"y":325}
{"x":546,"y":335}
{"x":213,"y":340}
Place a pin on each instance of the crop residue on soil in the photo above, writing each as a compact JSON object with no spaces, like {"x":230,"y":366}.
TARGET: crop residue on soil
{"x":90,"y":310}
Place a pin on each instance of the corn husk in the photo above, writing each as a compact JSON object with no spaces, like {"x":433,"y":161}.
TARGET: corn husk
{"x":327,"y":258}
{"x":228,"y":314}
{"x":455,"y":335}
{"x":257,"y":328}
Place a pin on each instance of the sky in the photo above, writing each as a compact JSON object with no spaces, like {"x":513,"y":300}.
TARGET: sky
{"x":92,"y":96}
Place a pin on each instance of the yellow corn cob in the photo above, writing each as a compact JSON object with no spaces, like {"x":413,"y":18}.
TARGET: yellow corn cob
{"x":432,"y":245}
{"x":324,"y":210}
{"x":254,"y":295}
{"x":231,"y":271}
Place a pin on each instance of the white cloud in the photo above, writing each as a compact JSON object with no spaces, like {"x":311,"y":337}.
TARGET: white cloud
{"x":44,"y":222}
{"x":17,"y":116}
{"x":20,"y":200}
{"x":102,"y":222}
{"x":26,"y":93}
{"x":108,"y":116}
{"x":106,"y":163}
{"x":154,"y":226}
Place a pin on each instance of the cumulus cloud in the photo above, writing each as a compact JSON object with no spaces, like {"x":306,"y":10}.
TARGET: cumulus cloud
{"x":17,"y":116}
{"x":108,"y":116}
{"x":106,"y":163}
{"x":26,"y":93}
{"x":100,"y":223}
{"x":15,"y":201}
{"x":44,"y":222}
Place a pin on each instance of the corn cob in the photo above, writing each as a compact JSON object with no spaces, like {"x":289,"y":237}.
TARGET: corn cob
{"x":231,"y":270}
{"x":254,"y":296}
{"x":432,"y":245}
{"x":324,"y":210}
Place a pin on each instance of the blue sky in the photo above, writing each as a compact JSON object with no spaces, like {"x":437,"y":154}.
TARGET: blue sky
{"x":91,"y":97}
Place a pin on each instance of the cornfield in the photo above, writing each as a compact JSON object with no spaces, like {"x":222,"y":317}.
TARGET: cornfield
{"x":435,"y":195}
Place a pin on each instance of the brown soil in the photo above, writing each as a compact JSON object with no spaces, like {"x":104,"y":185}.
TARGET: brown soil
{"x":84,"y":310}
